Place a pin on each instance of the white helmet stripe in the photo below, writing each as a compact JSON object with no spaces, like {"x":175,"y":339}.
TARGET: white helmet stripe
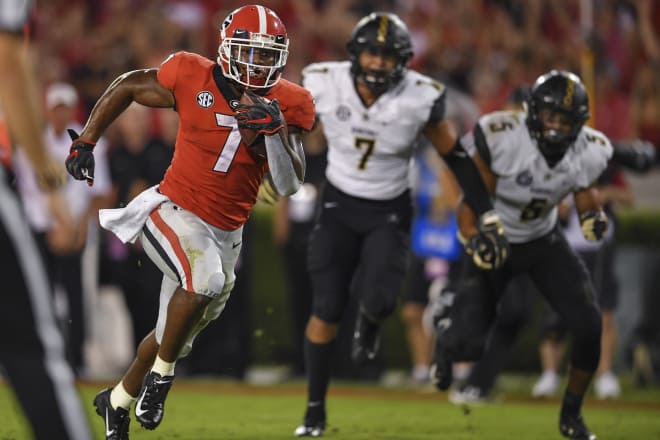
{"x":263,"y":23}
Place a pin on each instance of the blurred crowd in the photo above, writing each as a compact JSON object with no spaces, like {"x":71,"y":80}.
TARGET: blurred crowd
{"x":483,"y":49}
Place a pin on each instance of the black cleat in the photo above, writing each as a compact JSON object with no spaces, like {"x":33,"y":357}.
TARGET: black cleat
{"x":314,"y":421}
{"x":574,"y":428}
{"x":366,"y":340}
{"x":150,"y":405}
{"x":441,"y":364}
{"x":116,"y":420}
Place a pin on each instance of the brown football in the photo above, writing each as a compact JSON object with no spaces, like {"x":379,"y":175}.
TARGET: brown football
{"x":250,"y":136}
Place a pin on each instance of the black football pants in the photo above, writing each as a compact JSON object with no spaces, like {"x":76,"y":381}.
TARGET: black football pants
{"x":556,"y":272}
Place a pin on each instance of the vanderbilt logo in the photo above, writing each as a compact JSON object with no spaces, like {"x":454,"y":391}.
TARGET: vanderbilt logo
{"x":570,"y":90}
{"x":382,"y":29}
{"x":524,"y":179}
{"x":205,"y":99}
{"x":343,"y":113}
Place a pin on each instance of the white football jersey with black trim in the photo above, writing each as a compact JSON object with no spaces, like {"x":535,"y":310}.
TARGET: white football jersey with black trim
{"x":528,"y":190}
{"x":370,"y":148}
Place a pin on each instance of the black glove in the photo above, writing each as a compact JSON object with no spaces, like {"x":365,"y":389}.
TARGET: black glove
{"x":489,"y":248}
{"x":263,"y":116}
{"x":80,"y":161}
{"x":637,"y":155}
{"x":594,"y":224}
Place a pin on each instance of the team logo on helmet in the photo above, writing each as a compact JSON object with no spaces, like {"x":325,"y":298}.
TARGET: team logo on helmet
{"x":227,"y":21}
{"x":205,"y":99}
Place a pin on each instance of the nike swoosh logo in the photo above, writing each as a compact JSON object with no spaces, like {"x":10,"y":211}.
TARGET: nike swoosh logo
{"x":138,"y":407}
{"x":110,"y":432}
{"x":235,"y":245}
{"x":262,"y":120}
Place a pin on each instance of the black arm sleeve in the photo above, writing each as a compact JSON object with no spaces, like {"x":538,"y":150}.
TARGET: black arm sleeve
{"x":480,"y":144}
{"x":475,"y":193}
{"x":439,"y":108}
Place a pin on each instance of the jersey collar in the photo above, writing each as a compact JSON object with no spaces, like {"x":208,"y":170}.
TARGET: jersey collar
{"x":227,"y":91}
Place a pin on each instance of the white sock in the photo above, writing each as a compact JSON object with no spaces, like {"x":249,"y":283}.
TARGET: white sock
{"x":119,"y":397}
{"x":162,"y":367}
{"x":420,"y":372}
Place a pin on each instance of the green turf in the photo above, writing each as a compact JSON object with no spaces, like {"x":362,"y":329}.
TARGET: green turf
{"x":220,"y":410}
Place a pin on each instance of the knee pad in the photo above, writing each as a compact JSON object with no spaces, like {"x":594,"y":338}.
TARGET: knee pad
{"x":211,"y":313}
{"x":377,"y":311}
{"x":380,"y":297}
{"x":217,"y":304}
{"x":328,"y":312}
{"x":216,"y":283}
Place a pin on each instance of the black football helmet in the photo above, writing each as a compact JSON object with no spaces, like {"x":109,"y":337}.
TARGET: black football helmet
{"x":563,"y":93}
{"x":380,"y":32}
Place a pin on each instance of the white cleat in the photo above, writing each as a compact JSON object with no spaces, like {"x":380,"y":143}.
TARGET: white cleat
{"x":469,"y":395}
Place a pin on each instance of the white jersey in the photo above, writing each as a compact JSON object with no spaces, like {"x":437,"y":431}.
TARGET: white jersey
{"x":528,"y":190}
{"x":370,"y":148}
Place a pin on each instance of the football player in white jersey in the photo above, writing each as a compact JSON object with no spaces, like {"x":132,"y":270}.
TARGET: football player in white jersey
{"x":535,"y":158}
{"x":370,"y":110}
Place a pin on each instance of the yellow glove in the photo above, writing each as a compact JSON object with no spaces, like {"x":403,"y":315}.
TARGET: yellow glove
{"x":267,"y":193}
{"x":594,"y":224}
{"x":488,"y":248}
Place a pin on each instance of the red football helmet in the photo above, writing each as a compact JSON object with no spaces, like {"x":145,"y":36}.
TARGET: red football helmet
{"x":253,"y":47}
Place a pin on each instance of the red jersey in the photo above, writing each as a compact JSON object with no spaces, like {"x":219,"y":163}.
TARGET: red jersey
{"x":212,"y":174}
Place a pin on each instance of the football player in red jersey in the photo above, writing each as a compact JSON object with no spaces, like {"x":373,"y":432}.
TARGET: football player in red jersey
{"x":191,"y":223}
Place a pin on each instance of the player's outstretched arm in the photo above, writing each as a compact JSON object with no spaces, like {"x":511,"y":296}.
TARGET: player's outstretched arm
{"x":139,"y":86}
{"x":471,"y":174}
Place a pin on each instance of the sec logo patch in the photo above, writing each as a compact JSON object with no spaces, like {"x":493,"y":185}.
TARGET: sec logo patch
{"x":205,"y":99}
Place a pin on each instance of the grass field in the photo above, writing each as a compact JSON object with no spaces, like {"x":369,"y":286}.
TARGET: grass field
{"x":214,"y":410}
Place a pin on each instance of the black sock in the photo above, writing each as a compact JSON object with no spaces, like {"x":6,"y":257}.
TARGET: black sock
{"x":571,"y":404}
{"x":318,"y":358}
